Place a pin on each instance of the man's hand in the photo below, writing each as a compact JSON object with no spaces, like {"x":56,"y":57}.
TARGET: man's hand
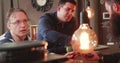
{"x":73,"y":55}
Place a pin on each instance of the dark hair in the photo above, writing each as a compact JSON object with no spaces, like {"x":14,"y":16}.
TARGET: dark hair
{"x":12,"y":10}
{"x":62,"y":2}
{"x":117,"y":1}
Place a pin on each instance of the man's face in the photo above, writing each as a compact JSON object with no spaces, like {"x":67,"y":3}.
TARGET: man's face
{"x":66,"y":12}
{"x":108,"y":8}
{"x":114,"y":21}
{"x":18,"y":24}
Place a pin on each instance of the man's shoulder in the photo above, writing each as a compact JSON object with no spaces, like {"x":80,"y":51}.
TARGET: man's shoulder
{"x":49,"y":15}
{"x":3,"y":39}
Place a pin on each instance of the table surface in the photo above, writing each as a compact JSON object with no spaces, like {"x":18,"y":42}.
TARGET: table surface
{"x":13,"y":47}
{"x":51,"y":57}
{"x":20,"y":45}
{"x":112,"y":49}
{"x":103,"y":50}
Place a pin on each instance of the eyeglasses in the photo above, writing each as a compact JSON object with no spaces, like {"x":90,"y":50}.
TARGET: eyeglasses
{"x":18,"y":22}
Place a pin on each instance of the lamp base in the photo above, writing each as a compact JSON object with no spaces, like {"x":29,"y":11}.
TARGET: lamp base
{"x":89,"y":55}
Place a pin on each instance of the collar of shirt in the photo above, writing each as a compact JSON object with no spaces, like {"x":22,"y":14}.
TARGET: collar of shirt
{"x":8,"y":35}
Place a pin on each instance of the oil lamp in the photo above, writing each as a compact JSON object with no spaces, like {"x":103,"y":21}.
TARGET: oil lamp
{"x":84,"y":39}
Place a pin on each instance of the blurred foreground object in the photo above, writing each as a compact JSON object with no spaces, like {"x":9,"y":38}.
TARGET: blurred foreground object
{"x":23,"y":52}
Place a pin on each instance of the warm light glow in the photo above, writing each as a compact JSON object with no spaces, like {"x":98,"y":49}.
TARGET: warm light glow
{"x":90,"y":12}
{"x":45,"y":56}
{"x":84,"y":40}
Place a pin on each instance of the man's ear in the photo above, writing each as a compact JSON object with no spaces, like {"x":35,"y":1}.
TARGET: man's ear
{"x":8,"y":25}
{"x":58,"y":8}
{"x":116,"y":8}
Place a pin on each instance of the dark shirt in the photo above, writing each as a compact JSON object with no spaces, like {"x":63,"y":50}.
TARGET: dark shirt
{"x":6,"y":37}
{"x":57,"y":34}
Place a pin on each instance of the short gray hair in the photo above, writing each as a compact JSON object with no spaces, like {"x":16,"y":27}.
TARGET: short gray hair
{"x":12,"y":10}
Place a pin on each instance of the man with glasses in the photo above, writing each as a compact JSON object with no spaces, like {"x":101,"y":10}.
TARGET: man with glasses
{"x":17,"y":24}
{"x":58,"y":27}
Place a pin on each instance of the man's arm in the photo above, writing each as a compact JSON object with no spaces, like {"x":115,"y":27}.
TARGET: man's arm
{"x":49,"y":34}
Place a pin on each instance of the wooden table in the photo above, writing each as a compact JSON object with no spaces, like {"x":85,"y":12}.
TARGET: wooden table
{"x":22,"y":53}
{"x":44,"y":56}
